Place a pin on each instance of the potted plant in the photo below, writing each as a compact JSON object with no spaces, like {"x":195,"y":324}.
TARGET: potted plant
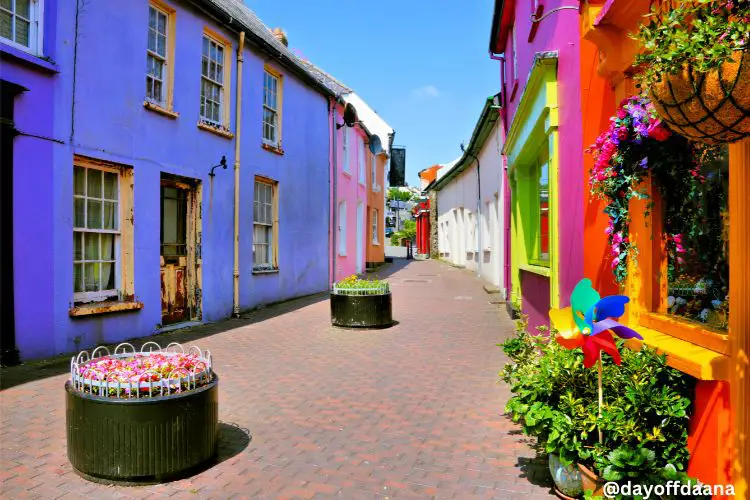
{"x":696,"y":67}
{"x":141,"y":417}
{"x":361,"y":303}
{"x":644,"y":420}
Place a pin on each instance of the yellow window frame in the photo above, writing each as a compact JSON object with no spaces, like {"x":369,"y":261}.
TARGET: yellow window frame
{"x":275,"y":207}
{"x":171,"y":14}
{"x":279,"y":100}
{"x":226,"y":98}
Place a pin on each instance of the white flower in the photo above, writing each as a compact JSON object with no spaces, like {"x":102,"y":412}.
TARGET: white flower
{"x":670,"y":301}
{"x":716,"y":303}
{"x":704,"y":314}
{"x":680,"y":301}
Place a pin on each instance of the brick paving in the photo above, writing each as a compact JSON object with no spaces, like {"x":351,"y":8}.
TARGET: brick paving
{"x":312,"y":411}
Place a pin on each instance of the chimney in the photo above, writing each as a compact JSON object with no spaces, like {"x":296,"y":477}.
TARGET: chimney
{"x":280,"y":35}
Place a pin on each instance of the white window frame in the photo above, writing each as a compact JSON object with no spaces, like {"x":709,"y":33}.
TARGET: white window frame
{"x":374,"y":173}
{"x":269,"y":226}
{"x":36,"y":27}
{"x":515,"y":53}
{"x":342,"y":228}
{"x":221,"y":84}
{"x":345,"y":149}
{"x":164,"y":59}
{"x":268,"y":75}
{"x":361,"y":165}
{"x":375,"y":226}
{"x":114,"y":293}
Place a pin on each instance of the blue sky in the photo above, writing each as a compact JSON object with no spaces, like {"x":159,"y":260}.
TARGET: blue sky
{"x":421,"y":64}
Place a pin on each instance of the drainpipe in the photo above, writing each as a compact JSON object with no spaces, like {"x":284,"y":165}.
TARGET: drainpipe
{"x":335,"y":208}
{"x":506,"y":191}
{"x":237,"y":136}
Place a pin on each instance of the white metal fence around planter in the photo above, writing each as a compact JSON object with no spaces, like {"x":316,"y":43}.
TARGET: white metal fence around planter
{"x":381,"y":289}
{"x":85,"y":378}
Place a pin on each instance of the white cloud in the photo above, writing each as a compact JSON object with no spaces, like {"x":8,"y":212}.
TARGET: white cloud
{"x":426,"y":92}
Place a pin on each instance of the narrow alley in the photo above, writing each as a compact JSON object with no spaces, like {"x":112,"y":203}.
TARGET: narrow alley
{"x":312,"y":411}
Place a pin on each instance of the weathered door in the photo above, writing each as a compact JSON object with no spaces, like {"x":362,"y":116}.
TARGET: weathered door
{"x":178,"y":252}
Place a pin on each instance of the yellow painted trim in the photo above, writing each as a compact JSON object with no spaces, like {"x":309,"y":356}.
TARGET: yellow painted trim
{"x":171,"y":43}
{"x":279,"y":98}
{"x":215,"y":130}
{"x":158,"y":109}
{"x":687,"y":331}
{"x":103,"y":308}
{"x":225,"y":89}
{"x":531,"y":268}
{"x":697,"y":361}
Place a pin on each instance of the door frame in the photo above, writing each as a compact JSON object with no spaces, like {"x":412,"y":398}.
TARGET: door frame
{"x":358,"y":266}
{"x":193,"y":239}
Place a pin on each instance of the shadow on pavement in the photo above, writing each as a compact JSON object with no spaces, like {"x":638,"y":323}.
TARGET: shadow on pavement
{"x":40,"y":369}
{"x":233,"y":440}
{"x":536,"y":471}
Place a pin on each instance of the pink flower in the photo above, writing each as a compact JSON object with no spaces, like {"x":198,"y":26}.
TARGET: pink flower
{"x":615,"y":262}
{"x":658,"y":131}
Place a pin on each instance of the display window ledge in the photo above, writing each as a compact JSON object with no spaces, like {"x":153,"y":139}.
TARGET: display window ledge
{"x":531,"y":268}
{"x":694,"y":360}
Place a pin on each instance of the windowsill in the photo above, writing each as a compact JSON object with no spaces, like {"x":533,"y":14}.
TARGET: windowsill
{"x":216,"y":130}
{"x":689,"y":358}
{"x":265,"y":271}
{"x":531,"y":268}
{"x":107,"y":307}
{"x":159,"y":109}
{"x":687,"y":331}
{"x":28,"y":58}
{"x":273,"y":149}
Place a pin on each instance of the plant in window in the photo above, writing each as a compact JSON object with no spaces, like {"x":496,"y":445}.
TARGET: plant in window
{"x":696,"y":67}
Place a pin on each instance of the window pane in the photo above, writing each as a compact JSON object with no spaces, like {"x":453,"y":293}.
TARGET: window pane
{"x":544,"y":212}
{"x":157,"y":96}
{"x":79,"y":210}
{"x":6,"y":24}
{"x":78,"y":277}
{"x":110,"y":186}
{"x":93,"y":214}
{"x":151,"y":17}
{"x":94,"y":183}
{"x":205,"y":46}
{"x":23,"y":8}
{"x":77,"y":246}
{"x":22,"y":32}
{"x":162,"y":22}
{"x":108,"y":246}
{"x":79,"y":180}
{"x":110,"y":215}
{"x":91,"y":277}
{"x":91,"y":246}
{"x":697,"y":249}
{"x":108,"y":276}
{"x":161,"y":46}
{"x":6,"y":4}
{"x":152,"y":40}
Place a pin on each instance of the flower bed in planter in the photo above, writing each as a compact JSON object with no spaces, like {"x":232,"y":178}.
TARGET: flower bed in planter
{"x":141,"y":417}
{"x":359,"y":303}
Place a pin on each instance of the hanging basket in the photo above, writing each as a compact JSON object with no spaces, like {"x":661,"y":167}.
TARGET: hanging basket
{"x":711,"y":107}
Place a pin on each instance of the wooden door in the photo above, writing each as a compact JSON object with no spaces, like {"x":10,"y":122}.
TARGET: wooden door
{"x":175,"y":242}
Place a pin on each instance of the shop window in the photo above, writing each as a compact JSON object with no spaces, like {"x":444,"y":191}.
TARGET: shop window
{"x":697,"y":251}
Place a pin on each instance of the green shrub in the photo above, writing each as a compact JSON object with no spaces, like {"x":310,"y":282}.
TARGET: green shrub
{"x":645,"y":413}
{"x":354,"y":285}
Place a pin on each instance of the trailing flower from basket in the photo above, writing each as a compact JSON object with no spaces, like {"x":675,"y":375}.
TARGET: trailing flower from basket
{"x":590,"y":321}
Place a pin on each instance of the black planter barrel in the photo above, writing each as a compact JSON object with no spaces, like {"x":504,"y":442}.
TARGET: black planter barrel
{"x":146,"y":440}
{"x":361,"y":311}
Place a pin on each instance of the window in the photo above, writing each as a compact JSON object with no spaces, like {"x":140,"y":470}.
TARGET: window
{"x":21,"y":24}
{"x":374,"y":173}
{"x":375,"y":238}
{"x":264,"y":225}
{"x":361,"y":165}
{"x":515,"y":53}
{"x":542,"y":244}
{"x":271,"y":108}
{"x":342,"y":228}
{"x":96,"y":233}
{"x":345,"y":148}
{"x":159,"y":54}
{"x":214,"y":75}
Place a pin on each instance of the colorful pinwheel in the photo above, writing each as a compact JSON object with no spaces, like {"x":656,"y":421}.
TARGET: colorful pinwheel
{"x":588,"y":324}
{"x":593,"y":321}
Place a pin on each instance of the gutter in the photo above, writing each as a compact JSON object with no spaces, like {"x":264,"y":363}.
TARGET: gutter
{"x":289,"y":63}
{"x":237,"y":142}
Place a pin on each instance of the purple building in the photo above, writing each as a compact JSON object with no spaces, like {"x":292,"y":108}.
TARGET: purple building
{"x":122,"y":139}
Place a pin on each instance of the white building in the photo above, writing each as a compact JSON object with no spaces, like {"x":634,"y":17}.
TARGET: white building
{"x":470,"y":195}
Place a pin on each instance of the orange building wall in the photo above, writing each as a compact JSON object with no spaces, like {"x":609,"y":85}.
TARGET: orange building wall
{"x":376,"y":199}
{"x":710,"y":428}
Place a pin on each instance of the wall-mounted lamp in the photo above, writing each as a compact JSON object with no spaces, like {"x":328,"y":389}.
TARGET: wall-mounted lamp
{"x":222,"y":164}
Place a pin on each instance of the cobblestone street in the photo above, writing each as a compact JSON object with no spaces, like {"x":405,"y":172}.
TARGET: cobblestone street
{"x":313,"y":411}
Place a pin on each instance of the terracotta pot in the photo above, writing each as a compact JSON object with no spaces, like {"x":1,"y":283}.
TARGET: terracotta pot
{"x":590,"y":481}
{"x":567,"y":478}
{"x":711,"y":107}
